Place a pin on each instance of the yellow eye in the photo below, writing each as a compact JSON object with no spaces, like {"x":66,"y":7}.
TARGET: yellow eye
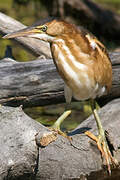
{"x":44,"y":28}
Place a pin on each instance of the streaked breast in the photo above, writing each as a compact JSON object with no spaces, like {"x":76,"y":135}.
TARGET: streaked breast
{"x":75,"y":74}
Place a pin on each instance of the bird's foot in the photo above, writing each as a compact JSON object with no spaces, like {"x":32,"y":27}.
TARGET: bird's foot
{"x":58,"y":131}
{"x":104,"y":149}
{"x":56,"y":126}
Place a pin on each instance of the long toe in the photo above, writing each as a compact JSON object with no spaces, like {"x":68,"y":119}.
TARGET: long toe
{"x":104,"y":149}
{"x":58,"y":131}
{"x":106,"y":153}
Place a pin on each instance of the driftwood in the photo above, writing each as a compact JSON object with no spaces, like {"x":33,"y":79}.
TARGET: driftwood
{"x":37,"y":83}
{"x":21,"y":158}
{"x":102,"y":22}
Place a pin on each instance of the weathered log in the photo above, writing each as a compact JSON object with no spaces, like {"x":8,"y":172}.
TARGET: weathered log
{"x":102,"y":22}
{"x":37,"y":83}
{"x":21,"y":158}
{"x":37,"y":47}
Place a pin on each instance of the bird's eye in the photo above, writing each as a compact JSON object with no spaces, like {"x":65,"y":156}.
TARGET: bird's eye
{"x":44,"y":28}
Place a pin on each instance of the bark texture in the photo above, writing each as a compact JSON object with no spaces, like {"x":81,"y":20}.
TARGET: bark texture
{"x":21,"y":158}
{"x":37,"y":83}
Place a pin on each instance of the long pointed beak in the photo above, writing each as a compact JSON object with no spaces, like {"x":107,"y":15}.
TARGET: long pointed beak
{"x":28,"y":32}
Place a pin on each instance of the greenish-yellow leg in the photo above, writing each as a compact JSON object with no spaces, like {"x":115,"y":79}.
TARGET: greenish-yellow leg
{"x":56,"y":125}
{"x":59,"y":121}
{"x":101,"y":140}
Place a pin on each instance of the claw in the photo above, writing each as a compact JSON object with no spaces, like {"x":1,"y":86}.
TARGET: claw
{"x":56,"y":125}
{"x":58,"y":131}
{"x":104,"y":149}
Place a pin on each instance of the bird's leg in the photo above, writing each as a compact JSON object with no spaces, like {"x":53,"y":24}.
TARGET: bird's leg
{"x":56,"y":125}
{"x":59,"y":121}
{"x":101,"y":140}
{"x":68,"y":97}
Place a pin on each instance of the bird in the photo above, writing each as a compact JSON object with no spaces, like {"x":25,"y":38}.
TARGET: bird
{"x":83,"y":63}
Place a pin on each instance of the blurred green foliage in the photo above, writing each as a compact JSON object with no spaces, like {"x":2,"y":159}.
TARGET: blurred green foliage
{"x":27,"y":12}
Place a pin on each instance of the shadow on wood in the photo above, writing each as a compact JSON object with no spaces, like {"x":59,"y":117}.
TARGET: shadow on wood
{"x":21,"y":158}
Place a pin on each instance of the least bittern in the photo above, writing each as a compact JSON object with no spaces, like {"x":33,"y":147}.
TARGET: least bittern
{"x":82,"y":62}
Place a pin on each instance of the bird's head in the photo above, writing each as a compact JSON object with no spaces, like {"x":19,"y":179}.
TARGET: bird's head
{"x":47,"y":31}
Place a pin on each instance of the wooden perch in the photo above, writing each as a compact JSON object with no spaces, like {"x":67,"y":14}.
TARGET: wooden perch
{"x":37,"y":83}
{"x":21,"y":158}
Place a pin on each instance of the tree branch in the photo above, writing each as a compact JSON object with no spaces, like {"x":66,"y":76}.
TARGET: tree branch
{"x":36,"y":83}
{"x":37,"y":47}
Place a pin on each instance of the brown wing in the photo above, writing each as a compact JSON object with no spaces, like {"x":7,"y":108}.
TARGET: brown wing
{"x":102,"y":65}
{"x":90,"y":51}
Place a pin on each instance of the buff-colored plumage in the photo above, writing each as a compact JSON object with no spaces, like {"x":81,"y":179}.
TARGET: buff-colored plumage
{"x":95,"y":74}
{"x":83,"y":64}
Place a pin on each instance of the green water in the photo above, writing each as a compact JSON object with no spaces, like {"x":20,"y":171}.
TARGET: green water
{"x":49,"y":114}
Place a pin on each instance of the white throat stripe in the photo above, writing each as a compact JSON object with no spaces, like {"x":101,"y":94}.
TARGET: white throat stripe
{"x":71,"y":57}
{"x":66,"y":67}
